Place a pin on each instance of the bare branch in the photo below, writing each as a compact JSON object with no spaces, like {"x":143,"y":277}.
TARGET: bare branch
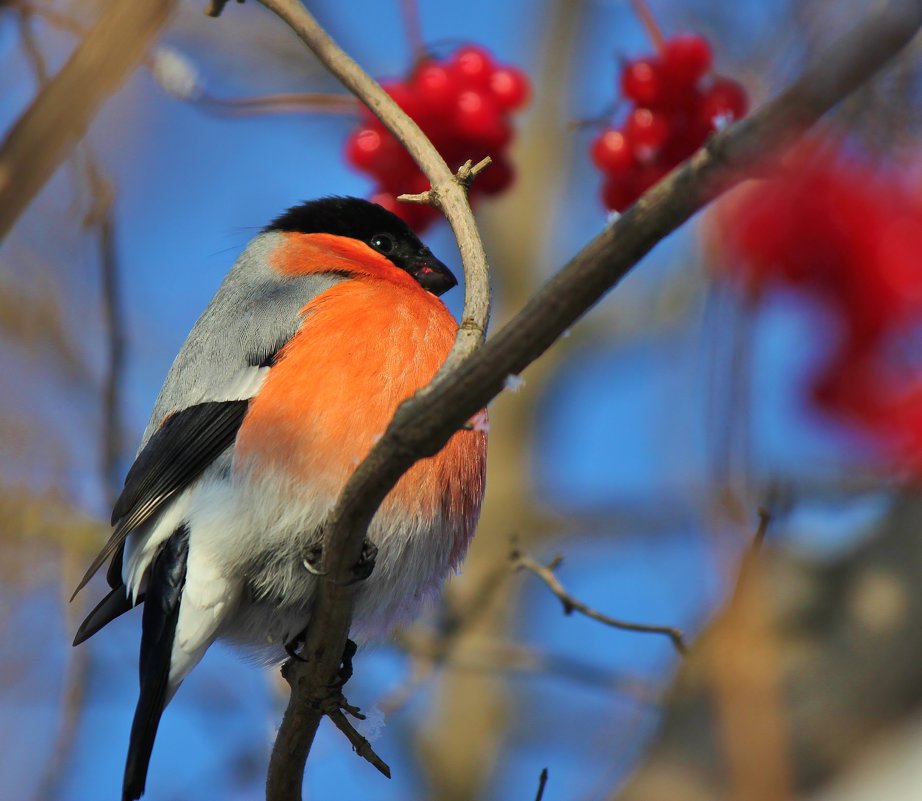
{"x":571,"y":604}
{"x":49,"y":129}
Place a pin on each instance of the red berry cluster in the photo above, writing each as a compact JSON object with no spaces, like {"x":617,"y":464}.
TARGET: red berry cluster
{"x":849,"y":236}
{"x":463,"y":104}
{"x":676,"y":105}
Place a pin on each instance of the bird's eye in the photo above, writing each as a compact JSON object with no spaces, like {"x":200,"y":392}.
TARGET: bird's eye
{"x":383,"y":243}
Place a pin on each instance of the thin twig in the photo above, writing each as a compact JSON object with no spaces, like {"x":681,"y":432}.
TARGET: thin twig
{"x":753,"y":553}
{"x":758,"y":540}
{"x":464,"y":176}
{"x":53,"y":17}
{"x":542,"y":782}
{"x":414,"y":28}
{"x":642,"y":10}
{"x":101,"y":216}
{"x":312,"y":102}
{"x":215,"y":7}
{"x":570,"y":604}
{"x":360,"y":744}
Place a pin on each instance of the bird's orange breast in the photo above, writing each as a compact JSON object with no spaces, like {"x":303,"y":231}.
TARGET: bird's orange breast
{"x":365,"y":346}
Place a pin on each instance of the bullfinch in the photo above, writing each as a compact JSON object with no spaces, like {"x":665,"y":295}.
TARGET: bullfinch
{"x":327,"y":321}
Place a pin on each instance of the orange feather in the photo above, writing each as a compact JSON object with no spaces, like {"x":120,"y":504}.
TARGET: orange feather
{"x":366,"y":344}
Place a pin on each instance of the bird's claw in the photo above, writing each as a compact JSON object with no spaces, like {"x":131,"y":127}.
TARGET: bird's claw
{"x":312,"y":557}
{"x":345,"y":666}
{"x":295,"y":644}
{"x":361,"y":570}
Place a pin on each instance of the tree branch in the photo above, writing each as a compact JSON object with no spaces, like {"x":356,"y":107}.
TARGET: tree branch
{"x":58,"y":118}
{"x":423,"y":424}
{"x":570,"y":604}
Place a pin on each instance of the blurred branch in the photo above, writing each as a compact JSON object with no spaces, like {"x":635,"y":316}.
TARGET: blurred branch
{"x":414,"y":28}
{"x":839,"y":649}
{"x":74,"y":691}
{"x":61,"y":113}
{"x":502,"y":656}
{"x":49,"y":15}
{"x":570,"y":604}
{"x":423,"y":424}
{"x":101,"y":215}
{"x":449,"y":646}
{"x":542,"y":783}
{"x":76,"y":674}
{"x":313,"y":102}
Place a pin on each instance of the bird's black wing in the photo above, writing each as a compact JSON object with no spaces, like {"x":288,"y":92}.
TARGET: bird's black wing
{"x":179,"y":451}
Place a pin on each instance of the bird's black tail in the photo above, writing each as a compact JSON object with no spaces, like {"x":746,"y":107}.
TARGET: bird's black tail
{"x":165,"y":583}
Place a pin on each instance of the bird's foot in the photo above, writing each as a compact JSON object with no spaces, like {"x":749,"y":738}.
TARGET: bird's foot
{"x":361,"y":570}
{"x":345,"y":666}
{"x":295,"y":644}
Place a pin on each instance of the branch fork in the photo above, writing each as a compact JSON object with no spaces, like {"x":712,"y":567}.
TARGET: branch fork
{"x":464,"y":177}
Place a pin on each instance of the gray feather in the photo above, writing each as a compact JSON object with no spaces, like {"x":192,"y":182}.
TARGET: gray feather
{"x":255,"y":311}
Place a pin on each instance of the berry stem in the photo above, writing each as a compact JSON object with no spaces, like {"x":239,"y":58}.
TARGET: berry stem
{"x":642,"y":10}
{"x":414,"y":29}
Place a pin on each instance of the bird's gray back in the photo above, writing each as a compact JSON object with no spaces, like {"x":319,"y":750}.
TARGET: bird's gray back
{"x":253,"y":313}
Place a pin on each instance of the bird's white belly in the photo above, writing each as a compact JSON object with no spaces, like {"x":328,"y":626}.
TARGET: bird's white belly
{"x":255,"y":540}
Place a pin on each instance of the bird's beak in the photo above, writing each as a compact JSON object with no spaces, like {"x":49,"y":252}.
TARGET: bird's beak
{"x":431,"y":274}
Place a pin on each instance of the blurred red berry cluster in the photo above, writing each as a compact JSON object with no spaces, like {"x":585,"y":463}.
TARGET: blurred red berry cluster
{"x":463,"y":104}
{"x":675,"y":104}
{"x":851,"y":236}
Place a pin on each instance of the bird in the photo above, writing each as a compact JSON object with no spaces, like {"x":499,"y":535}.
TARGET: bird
{"x":327,"y":321}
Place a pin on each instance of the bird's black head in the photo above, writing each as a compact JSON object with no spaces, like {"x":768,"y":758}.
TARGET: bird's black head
{"x":374,"y":225}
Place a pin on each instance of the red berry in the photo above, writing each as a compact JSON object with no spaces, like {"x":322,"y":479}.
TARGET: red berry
{"x":496,"y":178}
{"x":478,"y":118}
{"x":725,"y":101}
{"x":435,"y":87}
{"x":510,"y":87}
{"x":404,"y":97}
{"x":686,"y":58}
{"x":618,"y":193}
{"x":363,"y":148}
{"x":612,"y":152}
{"x":472,"y":66}
{"x":642,"y":81}
{"x":387,"y":200}
{"x":648,"y":175}
{"x":647,"y":131}
{"x":686,"y":135}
